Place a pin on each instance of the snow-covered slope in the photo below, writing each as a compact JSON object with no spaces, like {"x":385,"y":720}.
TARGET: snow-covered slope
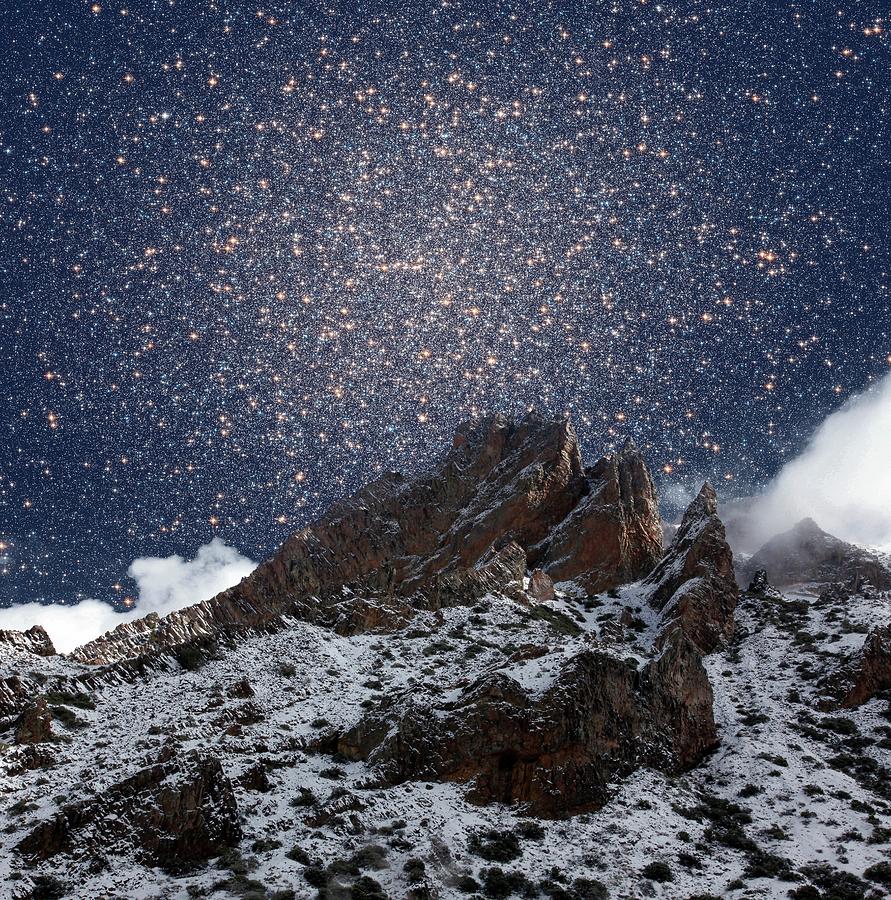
{"x":471,"y":730}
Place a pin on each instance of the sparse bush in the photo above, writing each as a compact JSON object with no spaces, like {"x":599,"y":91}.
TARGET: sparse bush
{"x":495,"y":846}
{"x":371,"y":856}
{"x":658,"y":871}
{"x":530,"y":830}
{"x":366,"y":888}
{"x":467,"y":884}
{"x":498,"y":884}
{"x":299,"y":855}
{"x":70,"y":698}
{"x":47,"y":887}
{"x":879,"y":873}
{"x":839,"y":724}
{"x":263,"y":845}
{"x":414,"y":869}
{"x":190,"y":658}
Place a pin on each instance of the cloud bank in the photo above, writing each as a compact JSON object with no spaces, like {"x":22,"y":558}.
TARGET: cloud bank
{"x":842,"y":479}
{"x":165,"y":584}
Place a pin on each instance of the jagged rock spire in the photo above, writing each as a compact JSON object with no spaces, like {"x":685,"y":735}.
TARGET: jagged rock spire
{"x":693,"y":584}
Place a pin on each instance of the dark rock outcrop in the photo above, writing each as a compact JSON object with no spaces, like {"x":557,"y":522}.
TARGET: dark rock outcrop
{"x":503,"y":483}
{"x":35,"y":723}
{"x":555,"y":752}
{"x":806,"y":553}
{"x":35,"y":640}
{"x":693,"y":585}
{"x":863,"y":675}
{"x":614,"y":535}
{"x":178,"y":811}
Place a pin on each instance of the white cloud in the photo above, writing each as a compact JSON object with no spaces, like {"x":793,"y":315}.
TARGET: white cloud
{"x":842,"y":479}
{"x":165,"y":584}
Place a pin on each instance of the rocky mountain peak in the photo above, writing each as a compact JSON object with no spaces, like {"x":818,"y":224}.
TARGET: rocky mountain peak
{"x":807,"y":553}
{"x":35,"y":640}
{"x":693,"y":585}
{"x":503,"y":481}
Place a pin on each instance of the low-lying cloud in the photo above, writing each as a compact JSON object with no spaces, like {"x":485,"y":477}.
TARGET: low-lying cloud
{"x":165,"y":584}
{"x":842,"y":479}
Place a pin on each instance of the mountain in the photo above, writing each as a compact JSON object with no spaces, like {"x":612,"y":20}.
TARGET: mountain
{"x":806,"y":553}
{"x":487,"y":680}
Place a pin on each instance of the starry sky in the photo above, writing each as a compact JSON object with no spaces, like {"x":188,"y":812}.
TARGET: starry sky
{"x":252,"y":255}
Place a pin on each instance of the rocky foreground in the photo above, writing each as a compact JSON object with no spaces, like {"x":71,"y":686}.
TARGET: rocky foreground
{"x":491,"y":680}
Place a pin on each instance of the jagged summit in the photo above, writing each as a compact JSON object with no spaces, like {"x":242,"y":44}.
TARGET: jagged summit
{"x":35,"y":640}
{"x":807,"y":553}
{"x":693,"y":585}
{"x":502,"y":481}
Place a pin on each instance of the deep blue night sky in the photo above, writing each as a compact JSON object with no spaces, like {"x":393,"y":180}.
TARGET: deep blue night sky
{"x":253,"y":255}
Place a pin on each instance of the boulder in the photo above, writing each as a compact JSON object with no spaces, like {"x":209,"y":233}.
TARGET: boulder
{"x":541,"y":587}
{"x":863,"y":675}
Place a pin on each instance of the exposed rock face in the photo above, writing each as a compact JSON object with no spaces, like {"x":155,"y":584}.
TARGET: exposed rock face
{"x":693,"y":585}
{"x":541,"y":587}
{"x":503,"y":483}
{"x":34,"y":640}
{"x":175,"y":812}
{"x":614,"y":535}
{"x":35,"y":724}
{"x":556,"y":751}
{"x":806,"y":553}
{"x":866,"y":673}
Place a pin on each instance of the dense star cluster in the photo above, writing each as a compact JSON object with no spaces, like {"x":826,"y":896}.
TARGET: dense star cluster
{"x":252,"y":256}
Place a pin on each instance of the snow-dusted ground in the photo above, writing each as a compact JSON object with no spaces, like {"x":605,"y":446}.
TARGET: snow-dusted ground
{"x":784,"y":765}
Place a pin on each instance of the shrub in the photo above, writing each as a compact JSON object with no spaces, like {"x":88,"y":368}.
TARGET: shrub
{"x":658,"y":871}
{"x":262,"y":845}
{"x":372,"y":856}
{"x":47,"y":887}
{"x":190,"y":658}
{"x":495,"y":846}
{"x":499,"y":884}
{"x":467,"y":884}
{"x":414,"y":869}
{"x":366,"y":888}
{"x":880,"y":873}
{"x":70,"y":698}
{"x":531,"y":830}
{"x":299,"y":855}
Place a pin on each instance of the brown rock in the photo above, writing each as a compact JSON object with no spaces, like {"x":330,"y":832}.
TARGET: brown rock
{"x":693,"y":585}
{"x":35,"y":640}
{"x":558,"y":751}
{"x":506,"y":489}
{"x":614,"y":534}
{"x":35,"y":724}
{"x":503,"y":482}
{"x":864,"y":674}
{"x":174,"y":813}
{"x":541,"y":587}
